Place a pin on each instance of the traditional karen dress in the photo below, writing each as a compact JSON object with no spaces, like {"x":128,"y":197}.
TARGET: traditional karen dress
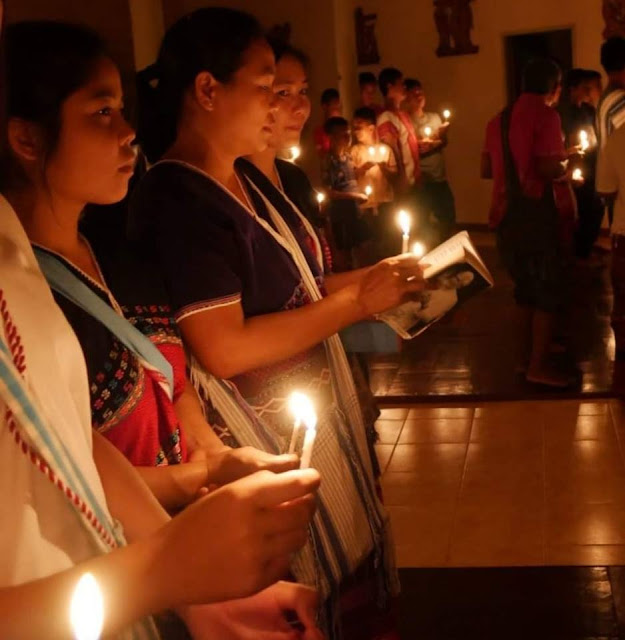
{"x":53,"y":511}
{"x":131,"y":403}
{"x":214,"y":251}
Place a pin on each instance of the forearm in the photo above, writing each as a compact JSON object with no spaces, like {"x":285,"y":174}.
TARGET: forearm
{"x":198,"y":432}
{"x":268,"y":339}
{"x":338,"y":281}
{"x":176,"y":485}
{"x":129,"y":581}
{"x":128,"y":496}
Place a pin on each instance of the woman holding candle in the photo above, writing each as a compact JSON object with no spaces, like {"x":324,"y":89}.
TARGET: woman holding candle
{"x":248,"y":290}
{"x":61,"y":512}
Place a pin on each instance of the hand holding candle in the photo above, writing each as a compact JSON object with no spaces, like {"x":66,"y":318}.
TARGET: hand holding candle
{"x":304,"y":414}
{"x":87,"y":609}
{"x":404,"y":222}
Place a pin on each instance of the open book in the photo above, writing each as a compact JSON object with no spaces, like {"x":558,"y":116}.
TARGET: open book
{"x":459,"y":273}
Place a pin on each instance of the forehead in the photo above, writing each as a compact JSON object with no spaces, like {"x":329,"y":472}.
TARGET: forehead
{"x":259,"y":59}
{"x":290,"y":69}
{"x":103,"y":81}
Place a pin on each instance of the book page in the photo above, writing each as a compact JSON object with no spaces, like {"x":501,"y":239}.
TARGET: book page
{"x":450,"y":252}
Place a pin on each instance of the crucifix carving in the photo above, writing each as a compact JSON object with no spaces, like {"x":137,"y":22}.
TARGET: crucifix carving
{"x":614,"y":16}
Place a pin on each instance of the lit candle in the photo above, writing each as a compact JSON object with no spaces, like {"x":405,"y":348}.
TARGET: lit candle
{"x":428,"y":132}
{"x":403,"y":219}
{"x":447,"y":114}
{"x":584,"y":143}
{"x":577,"y":175}
{"x":368,"y":190}
{"x":303,"y":413}
{"x":309,"y":439}
{"x":295,"y":153}
{"x":87,"y":609}
{"x":372,"y":152}
{"x":383,"y":152}
{"x":321,"y":197}
{"x":418,"y":249}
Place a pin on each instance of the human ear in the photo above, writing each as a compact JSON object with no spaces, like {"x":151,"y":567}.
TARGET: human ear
{"x":25,"y":140}
{"x":205,"y":90}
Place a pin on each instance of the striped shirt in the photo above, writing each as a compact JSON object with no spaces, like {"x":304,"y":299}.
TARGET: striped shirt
{"x":610,"y":114}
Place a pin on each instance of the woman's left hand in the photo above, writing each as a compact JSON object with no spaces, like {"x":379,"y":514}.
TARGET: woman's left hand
{"x":259,"y":617}
{"x":227,"y":465}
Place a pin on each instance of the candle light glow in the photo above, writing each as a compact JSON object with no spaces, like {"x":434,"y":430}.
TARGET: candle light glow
{"x":368,"y":190}
{"x":404,"y":222}
{"x":418,"y":249}
{"x":87,"y":609}
{"x":583,"y":140}
{"x":372,"y":151}
{"x":321,"y":197}
{"x":427,"y":131}
{"x":577,"y":175}
{"x":447,"y":114}
{"x":303,"y":412}
{"x":295,"y":153}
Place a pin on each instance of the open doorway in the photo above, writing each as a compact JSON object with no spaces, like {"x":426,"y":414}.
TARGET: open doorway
{"x":521,"y":48}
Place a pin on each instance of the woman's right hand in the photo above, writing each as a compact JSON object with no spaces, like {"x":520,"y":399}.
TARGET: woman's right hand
{"x":237,"y":540}
{"x":389,"y":283}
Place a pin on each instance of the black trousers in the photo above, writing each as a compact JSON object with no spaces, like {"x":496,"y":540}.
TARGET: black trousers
{"x":590,"y":211}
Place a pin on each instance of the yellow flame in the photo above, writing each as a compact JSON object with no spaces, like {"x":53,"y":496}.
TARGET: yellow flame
{"x":87,"y":609}
{"x":368,"y":190}
{"x":583,"y":139}
{"x":295,"y":153}
{"x":447,"y":114}
{"x":577,"y":175}
{"x":371,"y":151}
{"x":418,"y":249}
{"x":428,"y":131}
{"x":303,"y":410}
{"x":320,"y":197}
{"x":404,"y":222}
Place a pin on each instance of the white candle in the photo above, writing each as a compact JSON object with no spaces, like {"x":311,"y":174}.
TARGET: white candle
{"x":418,"y":249}
{"x":295,"y":153}
{"x":578,"y":175}
{"x":303,"y":413}
{"x":87,"y":609}
{"x":321,"y":197}
{"x":309,"y":441}
{"x":403,"y":219}
{"x":447,"y":114}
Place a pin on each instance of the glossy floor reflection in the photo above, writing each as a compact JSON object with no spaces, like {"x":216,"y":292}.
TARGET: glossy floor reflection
{"x":477,"y":354}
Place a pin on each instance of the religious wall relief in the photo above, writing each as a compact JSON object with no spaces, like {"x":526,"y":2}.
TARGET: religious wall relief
{"x":614,"y":16}
{"x":454,"y":22}
{"x":366,"y":41}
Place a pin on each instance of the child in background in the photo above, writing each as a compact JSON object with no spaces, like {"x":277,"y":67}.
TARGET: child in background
{"x":349,"y":228}
{"x":374,"y":172}
{"x":332,"y":108}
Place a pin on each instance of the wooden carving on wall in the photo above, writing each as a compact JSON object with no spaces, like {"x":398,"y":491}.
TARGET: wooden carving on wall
{"x":614,"y":16}
{"x":366,"y":42}
{"x":454,"y":22}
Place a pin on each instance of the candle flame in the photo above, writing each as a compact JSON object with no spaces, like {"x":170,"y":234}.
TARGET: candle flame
{"x":404,"y":222}
{"x":447,"y":114}
{"x":321,"y":197}
{"x":583,"y":139}
{"x":371,"y":151}
{"x":428,"y":131}
{"x":368,"y":190}
{"x":87,"y":609}
{"x":295,"y":153}
{"x":577,"y":175}
{"x":418,"y":249}
{"x":303,"y":410}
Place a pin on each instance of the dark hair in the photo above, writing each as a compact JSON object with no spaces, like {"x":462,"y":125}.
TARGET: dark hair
{"x":365,"y":78}
{"x":541,"y":76}
{"x":591,"y":74}
{"x":46,"y":63}
{"x":387,"y":77}
{"x":210,"y":39}
{"x":365,"y":113}
{"x":282,"y":49}
{"x":613,"y":54}
{"x":412,"y":83}
{"x":574,"y":78}
{"x":332,"y":124}
{"x":329,"y":95}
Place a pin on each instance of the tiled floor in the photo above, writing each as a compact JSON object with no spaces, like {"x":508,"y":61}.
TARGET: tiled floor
{"x":506,"y":484}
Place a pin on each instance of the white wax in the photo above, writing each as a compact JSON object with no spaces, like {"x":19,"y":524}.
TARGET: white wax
{"x":405,"y":240}
{"x":309,"y":441}
{"x":295,"y":436}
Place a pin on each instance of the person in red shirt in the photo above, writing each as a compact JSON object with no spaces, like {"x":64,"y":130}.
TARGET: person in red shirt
{"x":537,"y":150}
{"x":332,"y":108}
